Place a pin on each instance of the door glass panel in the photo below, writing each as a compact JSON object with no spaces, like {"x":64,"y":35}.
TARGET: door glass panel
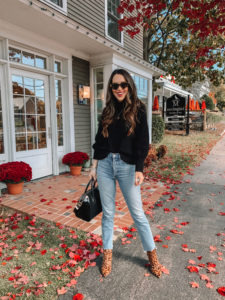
{"x":39,"y":88}
{"x":20,"y":123}
{"x":29,"y":113}
{"x":41,"y":123}
{"x":29,"y":86}
{"x":40,"y":105}
{"x":31,"y":122}
{"x":32,"y":140}
{"x":42,"y":140}
{"x":30,"y":105}
{"x":20,"y":141}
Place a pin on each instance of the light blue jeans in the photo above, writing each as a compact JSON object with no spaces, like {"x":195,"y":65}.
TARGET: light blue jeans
{"x":109,"y":170}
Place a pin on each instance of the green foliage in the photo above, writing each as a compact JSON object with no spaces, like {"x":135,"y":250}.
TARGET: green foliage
{"x":212,"y":118}
{"x":221,"y":105}
{"x":158,"y":128}
{"x":208,"y":102}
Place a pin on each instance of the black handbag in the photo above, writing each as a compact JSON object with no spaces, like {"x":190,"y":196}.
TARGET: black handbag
{"x":89,"y":204}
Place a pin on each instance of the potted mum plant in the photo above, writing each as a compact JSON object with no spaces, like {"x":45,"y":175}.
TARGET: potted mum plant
{"x":75,"y":160}
{"x":14,"y":174}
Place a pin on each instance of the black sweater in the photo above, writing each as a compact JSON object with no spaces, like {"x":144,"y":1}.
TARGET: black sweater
{"x":133,"y":149}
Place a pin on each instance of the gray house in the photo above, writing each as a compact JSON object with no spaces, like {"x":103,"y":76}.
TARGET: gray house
{"x":55,"y":60}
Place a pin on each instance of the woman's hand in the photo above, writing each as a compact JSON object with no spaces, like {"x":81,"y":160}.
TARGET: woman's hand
{"x":139,"y":177}
{"x":92,"y":173}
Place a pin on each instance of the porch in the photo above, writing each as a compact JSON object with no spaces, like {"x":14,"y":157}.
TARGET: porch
{"x":53,"y":198}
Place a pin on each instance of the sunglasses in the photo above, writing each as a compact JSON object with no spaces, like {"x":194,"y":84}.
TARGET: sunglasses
{"x":123,"y":85}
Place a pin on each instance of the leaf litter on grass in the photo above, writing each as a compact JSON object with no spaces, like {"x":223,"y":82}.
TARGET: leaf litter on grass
{"x":39,"y":257}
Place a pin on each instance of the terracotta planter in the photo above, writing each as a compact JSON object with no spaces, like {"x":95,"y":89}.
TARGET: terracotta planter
{"x":75,"y":170}
{"x":15,"y":188}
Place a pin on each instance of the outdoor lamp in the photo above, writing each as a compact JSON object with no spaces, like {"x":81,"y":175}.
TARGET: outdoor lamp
{"x":84,"y":94}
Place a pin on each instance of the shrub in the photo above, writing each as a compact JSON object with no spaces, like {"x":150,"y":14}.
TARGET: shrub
{"x":161,"y":151}
{"x":221,"y":105}
{"x":158,"y":128}
{"x":152,"y":156}
{"x":208,"y":102}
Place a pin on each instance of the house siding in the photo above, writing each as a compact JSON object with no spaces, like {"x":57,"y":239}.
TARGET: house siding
{"x":91,"y":14}
{"x":88,"y":13}
{"x":82,"y":119}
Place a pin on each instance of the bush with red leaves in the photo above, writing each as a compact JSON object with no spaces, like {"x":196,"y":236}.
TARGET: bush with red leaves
{"x":15,"y":172}
{"x":75,"y":158}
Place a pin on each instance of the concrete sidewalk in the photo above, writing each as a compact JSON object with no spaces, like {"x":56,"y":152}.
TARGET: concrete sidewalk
{"x":199,"y":200}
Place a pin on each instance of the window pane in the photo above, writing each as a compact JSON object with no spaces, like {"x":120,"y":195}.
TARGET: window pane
{"x":113,"y":30}
{"x":59,"y":105}
{"x":58,"y":90}
{"x":58,"y":2}
{"x":28,"y":58}
{"x":21,"y":142}
{"x":14,"y":55}
{"x":1,"y":144}
{"x":31,"y":122}
{"x":19,"y":123}
{"x":40,"y":105}
{"x":60,"y":138}
{"x":29,"y":86}
{"x":57,"y":67}
{"x":30,"y":105}
{"x":18,"y":103}
{"x":99,"y":76}
{"x":40,"y":62}
{"x":59,"y":122}
{"x":112,"y":7}
{"x":41,"y":123}
{"x":17,"y":82}
{"x":39,"y":88}
{"x":42,"y":140}
{"x":32,"y":140}
{"x":99,"y":91}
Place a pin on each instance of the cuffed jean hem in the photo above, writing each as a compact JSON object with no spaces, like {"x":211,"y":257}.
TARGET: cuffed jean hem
{"x":109,"y":170}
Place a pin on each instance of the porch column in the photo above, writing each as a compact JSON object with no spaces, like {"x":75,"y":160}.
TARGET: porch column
{"x":149,"y":107}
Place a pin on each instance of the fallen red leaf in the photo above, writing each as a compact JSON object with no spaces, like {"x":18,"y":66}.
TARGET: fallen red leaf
{"x":176,"y":231}
{"x":194,"y":284}
{"x":221,"y":290}
{"x":78,"y":297}
{"x":192,"y":269}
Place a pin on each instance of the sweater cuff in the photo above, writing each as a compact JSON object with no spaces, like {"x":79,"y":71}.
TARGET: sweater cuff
{"x":139,"y":165}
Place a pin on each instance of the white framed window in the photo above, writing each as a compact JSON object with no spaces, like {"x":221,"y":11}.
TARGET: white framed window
{"x":111,"y":24}
{"x":142,"y":87}
{"x":60,"y":5}
{"x":59,"y":111}
{"x":98,"y":94}
{"x":27,"y":58}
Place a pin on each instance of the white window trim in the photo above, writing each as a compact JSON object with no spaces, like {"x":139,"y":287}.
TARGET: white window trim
{"x":56,"y":7}
{"x":106,"y":27}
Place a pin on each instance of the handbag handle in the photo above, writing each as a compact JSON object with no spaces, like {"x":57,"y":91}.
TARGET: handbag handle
{"x":92,"y":182}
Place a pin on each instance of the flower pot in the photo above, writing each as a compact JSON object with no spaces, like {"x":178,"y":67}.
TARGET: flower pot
{"x":15,"y":188}
{"x":75,"y":170}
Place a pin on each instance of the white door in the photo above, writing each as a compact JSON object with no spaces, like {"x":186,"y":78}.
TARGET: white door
{"x":32,"y":121}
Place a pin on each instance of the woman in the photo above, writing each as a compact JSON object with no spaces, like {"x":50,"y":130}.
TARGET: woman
{"x":121,"y":146}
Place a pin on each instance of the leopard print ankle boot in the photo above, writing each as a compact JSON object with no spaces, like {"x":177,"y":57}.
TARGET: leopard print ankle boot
{"x":106,"y":262}
{"x":155,"y":266}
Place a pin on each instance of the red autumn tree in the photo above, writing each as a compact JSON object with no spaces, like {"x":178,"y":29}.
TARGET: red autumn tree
{"x":185,"y":38}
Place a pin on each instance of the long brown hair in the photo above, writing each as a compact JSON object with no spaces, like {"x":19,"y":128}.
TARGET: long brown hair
{"x":132,"y":103}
